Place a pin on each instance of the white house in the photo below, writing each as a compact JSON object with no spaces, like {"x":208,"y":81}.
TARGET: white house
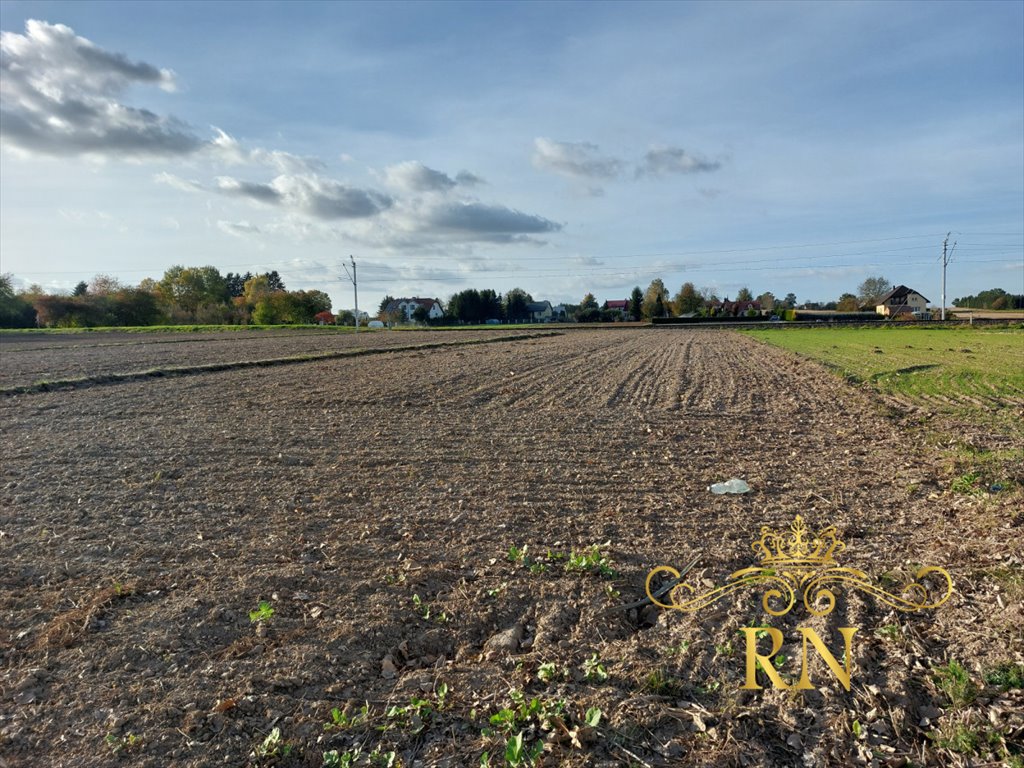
{"x":540,"y":311}
{"x":408,"y":306}
{"x":901,"y":300}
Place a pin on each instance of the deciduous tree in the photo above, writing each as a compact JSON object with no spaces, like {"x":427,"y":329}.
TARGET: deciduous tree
{"x":15,"y":310}
{"x":687,"y":300}
{"x":69,"y":312}
{"x":708,"y":294}
{"x":256,"y":288}
{"x":187,"y":288}
{"x":655,"y":299}
{"x":135,"y":307}
{"x":104,"y":285}
{"x":516,"y":301}
{"x":767,"y":301}
{"x":872,"y":290}
{"x":848,"y":303}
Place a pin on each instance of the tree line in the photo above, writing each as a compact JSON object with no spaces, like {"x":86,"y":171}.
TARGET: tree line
{"x":996,"y":298}
{"x":184,"y":295}
{"x":469,"y":307}
{"x":474,"y":306}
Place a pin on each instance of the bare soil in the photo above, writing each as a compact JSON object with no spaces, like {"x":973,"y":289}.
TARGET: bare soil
{"x":29,"y":358}
{"x":372,"y":502}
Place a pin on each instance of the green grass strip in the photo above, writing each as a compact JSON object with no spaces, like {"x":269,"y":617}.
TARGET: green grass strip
{"x":917,"y":363}
{"x":192,"y":370}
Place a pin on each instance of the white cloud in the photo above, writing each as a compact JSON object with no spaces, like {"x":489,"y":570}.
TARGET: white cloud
{"x":58,"y":97}
{"x":184,"y":185}
{"x":412,"y":176}
{"x":467,"y":179}
{"x":481,"y":219}
{"x":238,"y":228}
{"x":261,"y":193}
{"x":227,"y":149}
{"x":93,"y":219}
{"x":584,"y":163}
{"x":311,"y":202}
{"x":575,"y":160}
{"x":313,"y":196}
{"x":660,"y":161}
{"x":466,"y":221}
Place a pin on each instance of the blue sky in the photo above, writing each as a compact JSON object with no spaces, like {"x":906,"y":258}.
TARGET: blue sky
{"x":559,"y":147}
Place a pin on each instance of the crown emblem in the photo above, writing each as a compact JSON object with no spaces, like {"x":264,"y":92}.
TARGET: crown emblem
{"x":800,"y":563}
{"x":800,"y":548}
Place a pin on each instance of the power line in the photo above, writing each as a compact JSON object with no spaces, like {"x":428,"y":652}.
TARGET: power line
{"x":248,"y":264}
{"x":947,"y":256}
{"x":355,"y":286}
{"x":655,"y":270}
{"x":791,"y":262}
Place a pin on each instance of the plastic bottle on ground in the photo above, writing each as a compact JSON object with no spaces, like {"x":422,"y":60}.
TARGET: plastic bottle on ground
{"x":735,"y":485}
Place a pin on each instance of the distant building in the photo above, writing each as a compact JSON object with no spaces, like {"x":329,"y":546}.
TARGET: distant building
{"x":618,"y":305}
{"x":407,"y":306}
{"x":540,"y":311}
{"x":737,"y":308}
{"x":901,"y":300}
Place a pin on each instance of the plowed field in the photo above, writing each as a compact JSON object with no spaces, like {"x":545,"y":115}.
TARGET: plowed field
{"x":29,"y":358}
{"x":380,"y":506}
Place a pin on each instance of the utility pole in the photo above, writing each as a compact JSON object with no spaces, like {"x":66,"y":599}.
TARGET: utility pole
{"x":355,"y":286}
{"x":947,"y":256}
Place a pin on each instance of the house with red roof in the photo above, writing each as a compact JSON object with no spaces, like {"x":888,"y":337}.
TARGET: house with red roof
{"x":617,"y":305}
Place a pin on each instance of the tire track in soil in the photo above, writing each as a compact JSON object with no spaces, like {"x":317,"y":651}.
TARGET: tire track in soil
{"x":705,"y":387}
{"x":563,"y":381}
{"x":632,"y":385}
{"x":674,"y":388}
{"x":707,"y":390}
{"x":647,"y":392}
{"x":602,"y":374}
{"x":619,"y":370}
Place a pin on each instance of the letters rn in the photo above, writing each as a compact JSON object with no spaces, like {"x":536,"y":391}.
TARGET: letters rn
{"x":755,"y":659}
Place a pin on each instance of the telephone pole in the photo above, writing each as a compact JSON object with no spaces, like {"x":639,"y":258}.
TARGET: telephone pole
{"x":947,"y":256}
{"x":355,"y":286}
